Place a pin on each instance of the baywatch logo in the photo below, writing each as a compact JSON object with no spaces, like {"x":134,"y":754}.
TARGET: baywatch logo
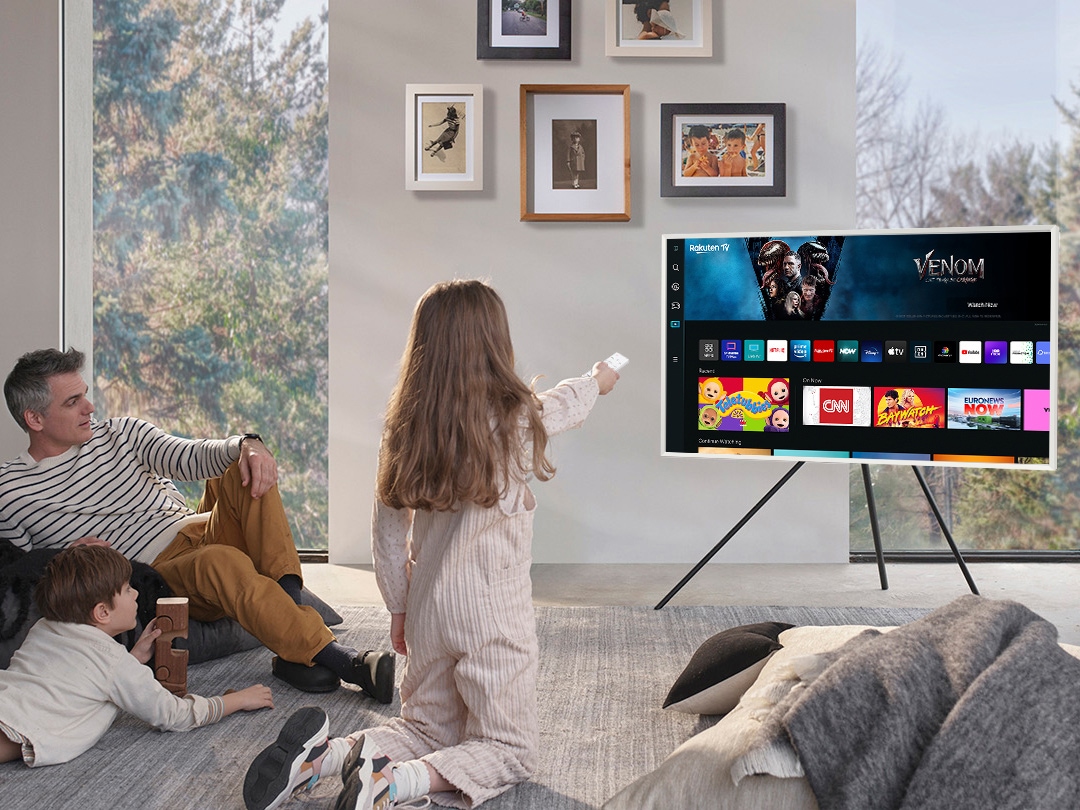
{"x":837,"y":406}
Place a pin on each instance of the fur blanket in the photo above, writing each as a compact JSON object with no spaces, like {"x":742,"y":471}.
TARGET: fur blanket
{"x":973,"y":706}
{"x":20,"y":570}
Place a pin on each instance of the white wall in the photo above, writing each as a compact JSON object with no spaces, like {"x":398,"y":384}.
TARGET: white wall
{"x":30,"y":200}
{"x":576,"y":291}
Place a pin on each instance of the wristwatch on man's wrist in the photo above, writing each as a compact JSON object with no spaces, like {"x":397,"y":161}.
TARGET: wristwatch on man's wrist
{"x":255,"y":436}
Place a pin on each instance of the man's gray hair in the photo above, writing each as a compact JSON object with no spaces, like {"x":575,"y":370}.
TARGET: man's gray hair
{"x":27,"y":386}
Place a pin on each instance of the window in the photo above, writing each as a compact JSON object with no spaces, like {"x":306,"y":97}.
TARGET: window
{"x":210,"y":216}
{"x":966,"y":116}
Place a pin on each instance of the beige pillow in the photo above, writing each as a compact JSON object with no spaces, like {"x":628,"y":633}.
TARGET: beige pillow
{"x":697,"y":774}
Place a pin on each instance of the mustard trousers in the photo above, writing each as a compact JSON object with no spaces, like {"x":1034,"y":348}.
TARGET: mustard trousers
{"x":229,"y":566}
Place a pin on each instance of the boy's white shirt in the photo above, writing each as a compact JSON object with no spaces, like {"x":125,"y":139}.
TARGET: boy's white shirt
{"x":67,"y":683}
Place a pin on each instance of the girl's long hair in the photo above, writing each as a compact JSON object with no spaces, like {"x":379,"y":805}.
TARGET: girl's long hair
{"x":455,"y":420}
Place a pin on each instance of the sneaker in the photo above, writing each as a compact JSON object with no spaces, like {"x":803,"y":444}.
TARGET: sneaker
{"x":286,"y":766}
{"x":368,"y":778}
{"x":373,"y":672}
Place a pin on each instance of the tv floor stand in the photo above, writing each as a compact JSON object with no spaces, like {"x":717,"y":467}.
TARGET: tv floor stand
{"x":871,"y":506}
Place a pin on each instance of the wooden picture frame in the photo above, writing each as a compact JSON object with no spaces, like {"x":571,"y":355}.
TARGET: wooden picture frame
{"x":698,"y":159}
{"x":444,"y":137}
{"x":688,"y":32}
{"x":521,"y":33}
{"x":575,"y":152}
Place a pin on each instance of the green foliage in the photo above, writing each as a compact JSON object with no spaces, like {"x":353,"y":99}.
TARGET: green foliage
{"x":211,"y":224}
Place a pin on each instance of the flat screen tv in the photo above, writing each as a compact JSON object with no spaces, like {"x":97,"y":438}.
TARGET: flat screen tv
{"x":928,"y":347}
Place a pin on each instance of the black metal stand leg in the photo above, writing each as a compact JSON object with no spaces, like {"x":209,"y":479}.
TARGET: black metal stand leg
{"x":871,"y":507}
{"x":945,"y":529}
{"x":794,"y":469}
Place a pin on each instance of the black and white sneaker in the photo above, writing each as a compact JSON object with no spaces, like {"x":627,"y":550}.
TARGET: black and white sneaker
{"x":286,"y":766}
{"x":368,"y":777}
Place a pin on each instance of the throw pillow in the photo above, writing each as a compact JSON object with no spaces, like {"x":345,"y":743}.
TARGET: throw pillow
{"x":724,"y":667}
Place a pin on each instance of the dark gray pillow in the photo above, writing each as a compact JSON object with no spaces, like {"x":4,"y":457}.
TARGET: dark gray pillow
{"x":724,"y":667}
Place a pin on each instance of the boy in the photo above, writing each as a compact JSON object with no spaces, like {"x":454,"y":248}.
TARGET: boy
{"x":70,"y":679}
{"x":732,"y":162}
{"x":700,"y":162}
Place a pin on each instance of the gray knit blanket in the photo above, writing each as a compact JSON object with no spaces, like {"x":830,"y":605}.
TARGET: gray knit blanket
{"x":974,"y":706}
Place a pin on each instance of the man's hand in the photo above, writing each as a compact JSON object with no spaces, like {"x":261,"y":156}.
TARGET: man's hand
{"x":257,"y":467}
{"x":397,"y":633}
{"x":144,"y":647}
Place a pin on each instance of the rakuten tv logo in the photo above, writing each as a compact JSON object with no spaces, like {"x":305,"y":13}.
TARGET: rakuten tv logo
{"x":837,"y":406}
{"x":824,"y":351}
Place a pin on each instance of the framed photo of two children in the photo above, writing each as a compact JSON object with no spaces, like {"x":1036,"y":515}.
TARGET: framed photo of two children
{"x":722,"y":150}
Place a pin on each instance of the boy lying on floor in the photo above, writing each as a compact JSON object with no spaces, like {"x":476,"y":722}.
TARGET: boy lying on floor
{"x":70,"y":679}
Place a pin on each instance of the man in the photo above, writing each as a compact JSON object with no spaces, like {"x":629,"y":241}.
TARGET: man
{"x":83,"y":481}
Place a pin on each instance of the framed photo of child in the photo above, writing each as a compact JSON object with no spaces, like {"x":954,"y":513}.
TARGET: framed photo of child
{"x":523,"y":29}
{"x":722,"y":150}
{"x":658,"y":28}
{"x":575,"y":152}
{"x":444,"y":137}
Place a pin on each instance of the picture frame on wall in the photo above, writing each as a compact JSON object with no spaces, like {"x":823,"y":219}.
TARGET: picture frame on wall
{"x":528,"y":29}
{"x":444,"y":137}
{"x":575,"y":152}
{"x":658,"y":28}
{"x":723,"y":150}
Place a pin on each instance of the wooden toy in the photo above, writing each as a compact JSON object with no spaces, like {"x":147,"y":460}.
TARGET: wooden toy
{"x":170,"y":665}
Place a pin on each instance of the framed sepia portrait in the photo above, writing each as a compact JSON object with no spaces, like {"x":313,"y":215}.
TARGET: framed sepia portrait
{"x":523,"y":29}
{"x":722,"y":150}
{"x":658,"y":28}
{"x":444,"y":137}
{"x":575,"y":152}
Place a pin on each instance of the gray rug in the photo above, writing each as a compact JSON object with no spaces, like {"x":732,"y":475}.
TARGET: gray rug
{"x":604,"y":673}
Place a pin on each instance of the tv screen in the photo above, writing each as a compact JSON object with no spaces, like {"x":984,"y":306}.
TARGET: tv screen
{"x":933,"y":347}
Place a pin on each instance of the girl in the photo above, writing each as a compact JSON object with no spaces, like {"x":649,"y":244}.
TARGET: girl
{"x":451,"y":544}
{"x":575,"y":158}
{"x":449,"y":135}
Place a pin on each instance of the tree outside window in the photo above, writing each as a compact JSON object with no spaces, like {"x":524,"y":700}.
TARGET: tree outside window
{"x":210,"y":212}
{"x":914,"y":171}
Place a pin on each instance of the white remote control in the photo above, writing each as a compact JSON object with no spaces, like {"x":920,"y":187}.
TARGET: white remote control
{"x":615,"y":363}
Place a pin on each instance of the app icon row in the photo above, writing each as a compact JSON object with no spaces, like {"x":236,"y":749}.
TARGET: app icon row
{"x":992,"y":352}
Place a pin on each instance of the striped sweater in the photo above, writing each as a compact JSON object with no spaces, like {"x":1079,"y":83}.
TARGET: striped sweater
{"x":117,"y":486}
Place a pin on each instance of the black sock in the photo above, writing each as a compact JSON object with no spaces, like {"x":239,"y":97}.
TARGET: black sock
{"x":292,"y":585}
{"x":337,"y":657}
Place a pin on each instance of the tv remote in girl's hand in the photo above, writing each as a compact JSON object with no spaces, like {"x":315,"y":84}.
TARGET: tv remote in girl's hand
{"x":615,"y":363}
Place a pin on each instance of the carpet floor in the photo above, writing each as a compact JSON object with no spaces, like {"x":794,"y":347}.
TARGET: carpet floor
{"x":604,"y":673}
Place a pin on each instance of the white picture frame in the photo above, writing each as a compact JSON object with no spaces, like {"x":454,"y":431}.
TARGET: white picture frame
{"x":444,"y":150}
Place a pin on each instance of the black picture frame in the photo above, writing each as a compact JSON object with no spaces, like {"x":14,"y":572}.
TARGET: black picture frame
{"x":765,"y":165}
{"x":485,"y":49}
